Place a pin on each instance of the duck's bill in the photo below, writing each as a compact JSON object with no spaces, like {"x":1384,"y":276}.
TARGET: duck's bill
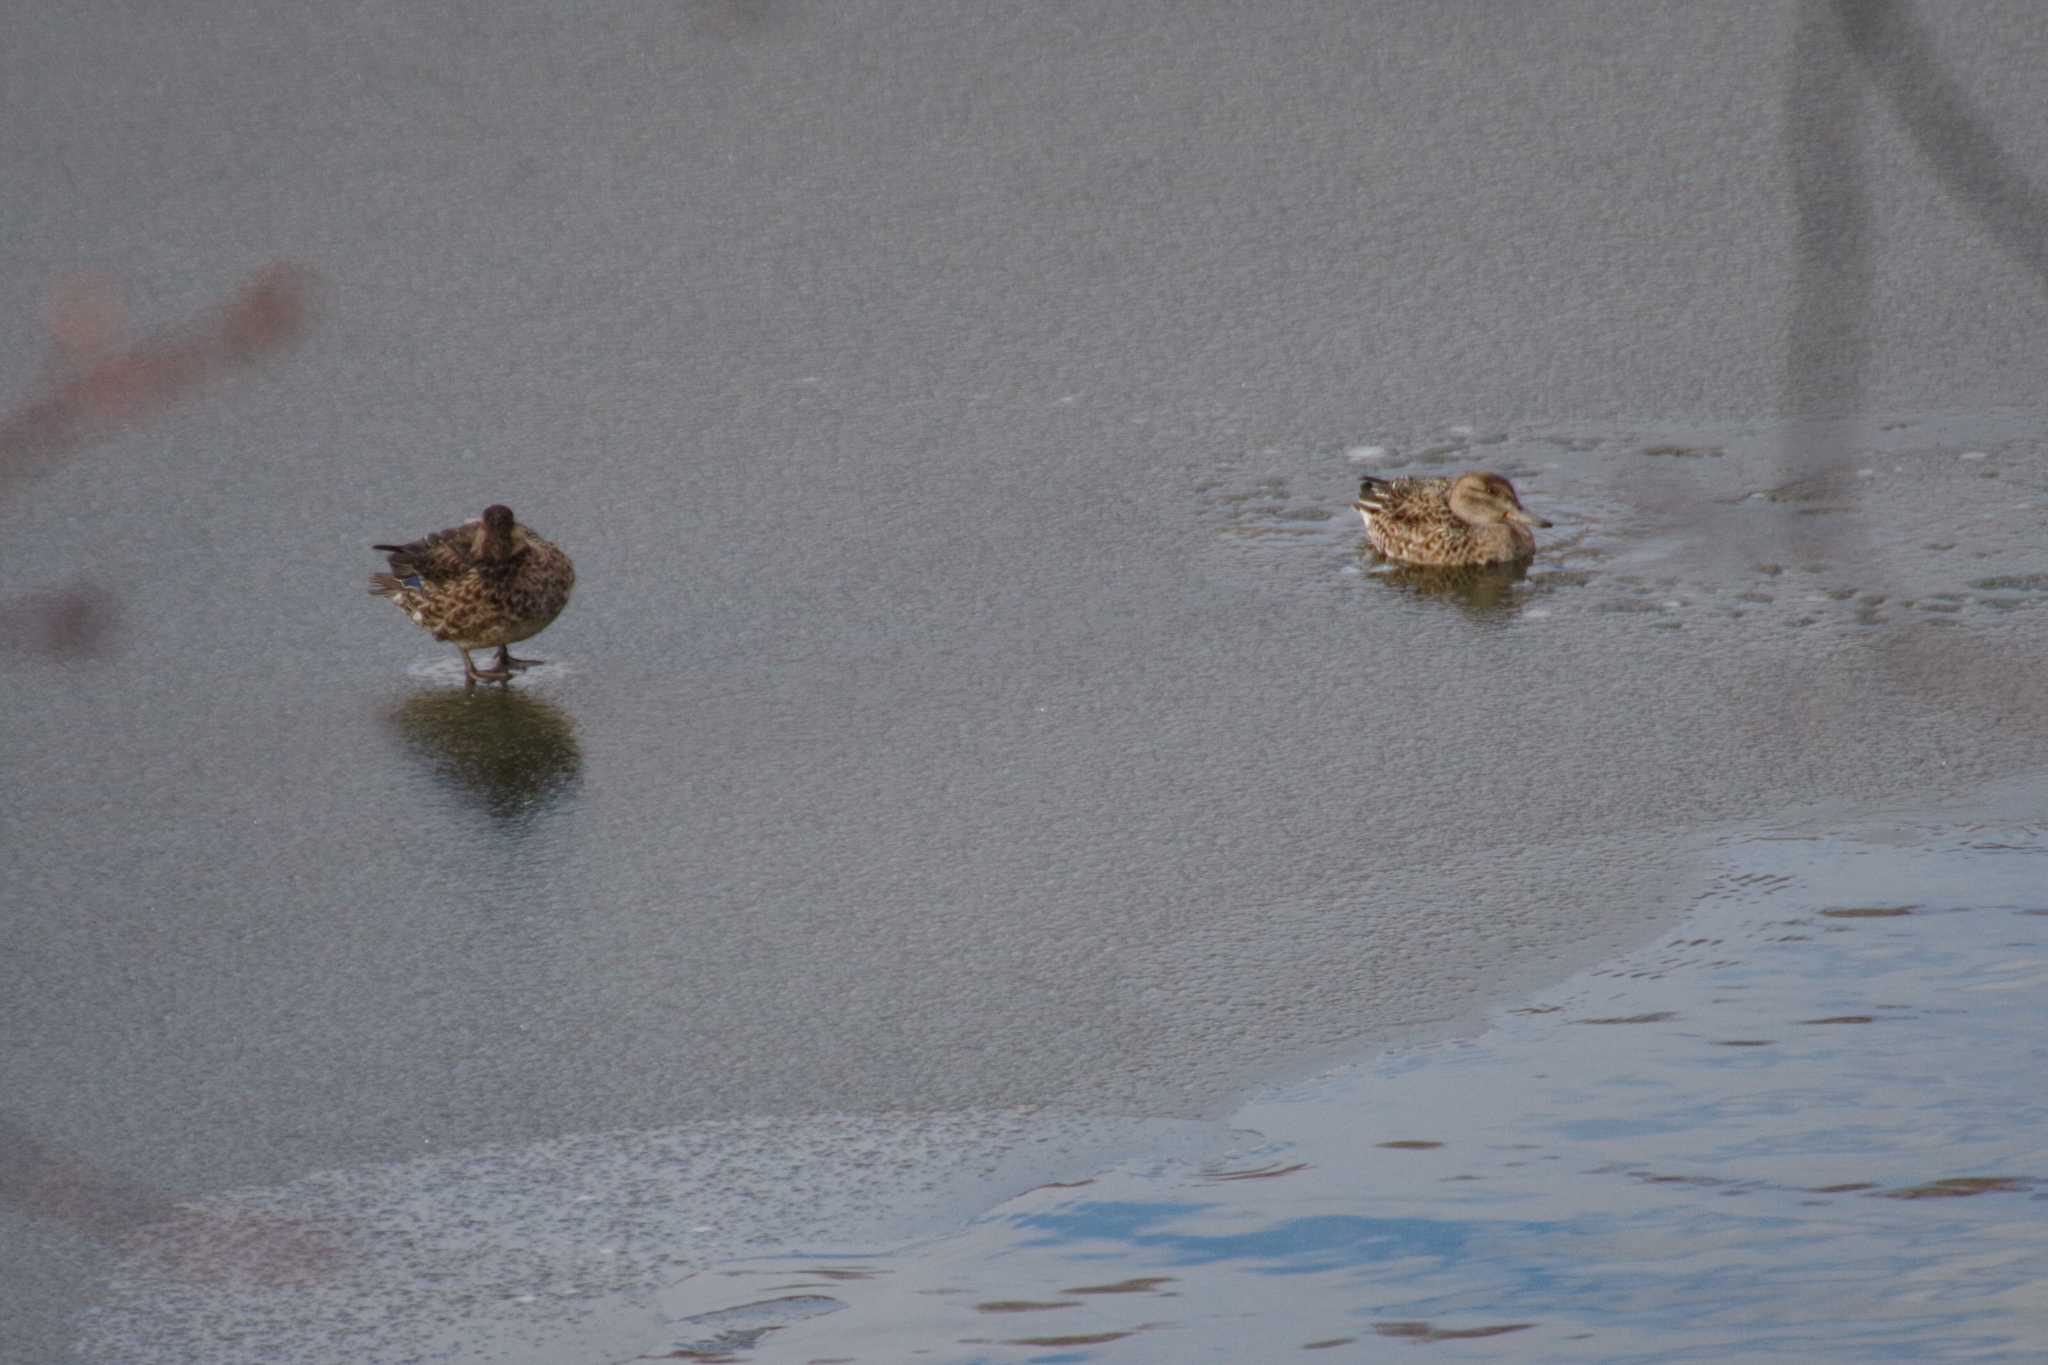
{"x":1519,"y":515}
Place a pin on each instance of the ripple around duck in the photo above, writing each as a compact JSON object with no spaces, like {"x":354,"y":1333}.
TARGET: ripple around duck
{"x":1693,"y":529}
{"x":445,"y":667}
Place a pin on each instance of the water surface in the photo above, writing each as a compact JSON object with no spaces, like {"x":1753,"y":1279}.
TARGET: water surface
{"x":976,"y":733}
{"x":1805,"y":1125}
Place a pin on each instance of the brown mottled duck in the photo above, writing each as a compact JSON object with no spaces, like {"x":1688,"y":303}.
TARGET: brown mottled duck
{"x":483,"y":583}
{"x":1473,"y":519}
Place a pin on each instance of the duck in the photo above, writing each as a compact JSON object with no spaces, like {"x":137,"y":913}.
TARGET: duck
{"x":486,"y":582}
{"x":1473,"y":519}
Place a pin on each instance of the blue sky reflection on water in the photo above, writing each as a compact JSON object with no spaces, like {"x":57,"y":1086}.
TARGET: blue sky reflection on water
{"x":1297,"y":1246}
{"x":1805,"y":1125}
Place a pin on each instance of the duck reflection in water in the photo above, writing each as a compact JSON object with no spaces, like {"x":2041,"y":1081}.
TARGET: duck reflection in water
{"x":1483,"y":591}
{"x":513,"y":753}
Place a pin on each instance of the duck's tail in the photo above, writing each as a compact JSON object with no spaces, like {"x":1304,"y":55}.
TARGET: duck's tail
{"x":1371,"y":498}
{"x":384,"y":585}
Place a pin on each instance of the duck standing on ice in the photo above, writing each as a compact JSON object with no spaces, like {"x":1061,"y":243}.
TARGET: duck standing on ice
{"x":483,"y":583}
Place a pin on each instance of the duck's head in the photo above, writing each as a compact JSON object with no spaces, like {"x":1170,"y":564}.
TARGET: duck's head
{"x":1483,"y":499}
{"x":494,"y":532}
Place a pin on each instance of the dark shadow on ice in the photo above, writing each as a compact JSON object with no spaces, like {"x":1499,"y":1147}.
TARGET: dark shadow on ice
{"x":509,"y":752}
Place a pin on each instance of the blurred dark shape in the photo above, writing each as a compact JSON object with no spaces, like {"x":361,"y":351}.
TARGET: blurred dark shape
{"x":1955,"y":138}
{"x":1484,"y":591}
{"x":260,"y":1248}
{"x":1828,"y":349}
{"x":87,"y":318}
{"x":1829,"y":346}
{"x":71,"y":622}
{"x":189,"y":1243}
{"x":270,"y":312}
{"x":510,"y":752}
{"x":105,"y":389}
{"x":1838,"y":44}
{"x":52,"y":1184}
{"x":101,"y":387}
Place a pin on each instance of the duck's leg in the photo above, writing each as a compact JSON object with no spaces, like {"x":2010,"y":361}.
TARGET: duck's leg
{"x":506,"y":663}
{"x":471,"y":675}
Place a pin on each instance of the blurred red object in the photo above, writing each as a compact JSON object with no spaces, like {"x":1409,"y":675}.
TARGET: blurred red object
{"x":104,"y":387}
{"x":101,"y":386}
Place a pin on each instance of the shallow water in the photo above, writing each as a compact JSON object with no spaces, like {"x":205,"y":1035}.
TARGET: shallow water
{"x":1805,"y":1125}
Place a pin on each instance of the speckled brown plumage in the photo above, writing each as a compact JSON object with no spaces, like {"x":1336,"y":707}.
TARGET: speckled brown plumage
{"x":1476,"y":518}
{"x":483,"y":583}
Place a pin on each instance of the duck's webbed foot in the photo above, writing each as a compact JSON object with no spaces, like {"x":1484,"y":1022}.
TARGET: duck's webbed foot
{"x":472,"y":675}
{"x":506,"y":663}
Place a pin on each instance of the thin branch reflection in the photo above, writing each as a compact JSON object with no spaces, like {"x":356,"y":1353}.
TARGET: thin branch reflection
{"x":1950,"y":131}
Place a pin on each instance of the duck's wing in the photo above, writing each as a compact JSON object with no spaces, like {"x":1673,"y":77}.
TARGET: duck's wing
{"x":1404,"y":500}
{"x":436,"y":558}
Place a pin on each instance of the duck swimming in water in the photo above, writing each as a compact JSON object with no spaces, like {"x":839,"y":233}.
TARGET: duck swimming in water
{"x":483,"y":583}
{"x":1473,"y":519}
